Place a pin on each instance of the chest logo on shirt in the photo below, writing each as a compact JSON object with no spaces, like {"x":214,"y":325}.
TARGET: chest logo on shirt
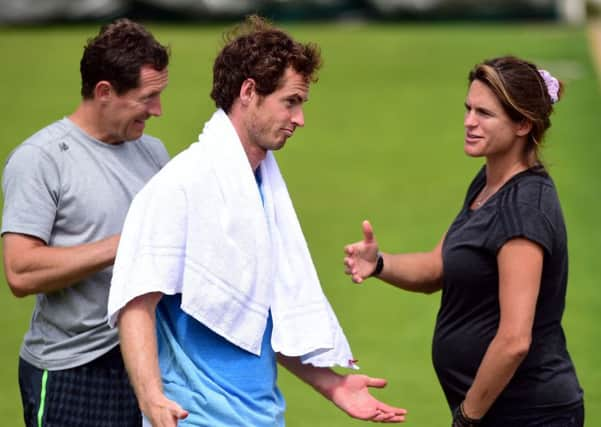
{"x":63,"y":146}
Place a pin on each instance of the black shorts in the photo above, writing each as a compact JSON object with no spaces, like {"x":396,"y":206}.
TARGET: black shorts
{"x":97,"y":394}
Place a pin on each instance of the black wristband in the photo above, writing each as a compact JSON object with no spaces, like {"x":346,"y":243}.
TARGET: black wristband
{"x":460,"y":419}
{"x":379,"y":266}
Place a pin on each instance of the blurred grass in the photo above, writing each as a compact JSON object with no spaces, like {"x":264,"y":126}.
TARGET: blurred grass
{"x":383,"y":141}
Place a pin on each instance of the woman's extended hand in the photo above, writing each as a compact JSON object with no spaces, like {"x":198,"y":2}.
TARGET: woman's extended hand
{"x":361,"y":257}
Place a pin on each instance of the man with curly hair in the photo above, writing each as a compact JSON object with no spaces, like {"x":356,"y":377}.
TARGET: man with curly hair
{"x":214,"y":284}
{"x":67,"y":190}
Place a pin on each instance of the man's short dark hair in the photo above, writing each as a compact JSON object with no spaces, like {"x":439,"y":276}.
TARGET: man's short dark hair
{"x":258,"y":50}
{"x":117,"y":54}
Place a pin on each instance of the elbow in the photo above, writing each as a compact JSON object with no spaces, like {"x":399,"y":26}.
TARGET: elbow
{"x":434,"y":282}
{"x":18,"y":292}
{"x":517,"y":347}
{"x":434,"y":278}
{"x":521,"y":350}
{"x":432,"y":288}
{"x":18,"y":285}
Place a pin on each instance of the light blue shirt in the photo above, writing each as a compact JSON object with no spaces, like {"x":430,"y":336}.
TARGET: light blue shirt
{"x":217,"y":382}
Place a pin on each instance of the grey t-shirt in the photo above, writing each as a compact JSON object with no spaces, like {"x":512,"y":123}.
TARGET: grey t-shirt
{"x":67,"y":188}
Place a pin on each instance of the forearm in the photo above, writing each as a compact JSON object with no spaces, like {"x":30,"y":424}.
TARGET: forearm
{"x":415,"y":272}
{"x":500,"y":362}
{"x":520,"y":268}
{"x":323,"y":380}
{"x":33,"y":268}
{"x":137,"y":333}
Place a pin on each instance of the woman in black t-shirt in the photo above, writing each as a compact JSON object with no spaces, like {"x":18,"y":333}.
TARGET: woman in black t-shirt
{"x":498,"y":349}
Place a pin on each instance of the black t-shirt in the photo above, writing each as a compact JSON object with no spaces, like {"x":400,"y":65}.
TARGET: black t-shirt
{"x":526,"y":206}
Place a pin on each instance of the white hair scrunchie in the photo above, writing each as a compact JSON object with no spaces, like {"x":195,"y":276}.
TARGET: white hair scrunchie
{"x":552,"y":85}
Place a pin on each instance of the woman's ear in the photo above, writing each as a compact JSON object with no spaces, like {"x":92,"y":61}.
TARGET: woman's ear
{"x":524,"y":127}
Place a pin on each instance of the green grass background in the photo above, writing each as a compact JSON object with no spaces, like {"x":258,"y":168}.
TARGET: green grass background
{"x":383,"y":140}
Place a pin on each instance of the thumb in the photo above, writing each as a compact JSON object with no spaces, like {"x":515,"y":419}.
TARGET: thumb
{"x":368,"y":232}
{"x":376,"y":382}
{"x":178,"y":411}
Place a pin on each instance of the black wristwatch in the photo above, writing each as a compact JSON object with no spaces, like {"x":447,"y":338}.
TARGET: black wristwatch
{"x":379,"y":266}
{"x":462,"y":420}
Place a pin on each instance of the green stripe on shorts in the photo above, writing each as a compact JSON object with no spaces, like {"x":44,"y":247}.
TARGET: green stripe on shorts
{"x":42,"y":397}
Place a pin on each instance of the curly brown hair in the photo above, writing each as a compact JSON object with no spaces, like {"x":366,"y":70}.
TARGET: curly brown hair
{"x":256,"y":49}
{"x":116,"y":55}
{"x":522,"y":92}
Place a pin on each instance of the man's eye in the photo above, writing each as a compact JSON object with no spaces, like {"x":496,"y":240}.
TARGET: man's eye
{"x":146,"y":99}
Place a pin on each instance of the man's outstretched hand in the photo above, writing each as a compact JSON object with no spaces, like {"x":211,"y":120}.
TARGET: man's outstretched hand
{"x":351,"y":394}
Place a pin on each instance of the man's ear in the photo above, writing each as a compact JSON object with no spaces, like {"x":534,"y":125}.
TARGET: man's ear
{"x":247,"y":91}
{"x":524,"y":127}
{"x":103,"y":90}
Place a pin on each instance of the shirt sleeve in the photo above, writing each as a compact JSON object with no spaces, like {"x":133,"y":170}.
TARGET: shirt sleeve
{"x":525,"y":221}
{"x":157,"y":150}
{"x":31,"y":186}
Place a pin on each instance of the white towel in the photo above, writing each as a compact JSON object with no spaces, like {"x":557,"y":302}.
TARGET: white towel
{"x":199,"y":228}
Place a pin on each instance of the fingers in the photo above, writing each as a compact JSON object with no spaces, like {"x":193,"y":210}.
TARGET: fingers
{"x":351,"y":270}
{"x":368,"y":232}
{"x":180,"y":413}
{"x":171,"y":418}
{"x":391,"y":409}
{"x":376,"y":382}
{"x":394,"y":419}
{"x":349,"y":249}
{"x":381,"y":406}
{"x":383,"y":415}
{"x":356,"y":263}
{"x":176,"y":410}
{"x":350,"y":265}
{"x":166,"y":414}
